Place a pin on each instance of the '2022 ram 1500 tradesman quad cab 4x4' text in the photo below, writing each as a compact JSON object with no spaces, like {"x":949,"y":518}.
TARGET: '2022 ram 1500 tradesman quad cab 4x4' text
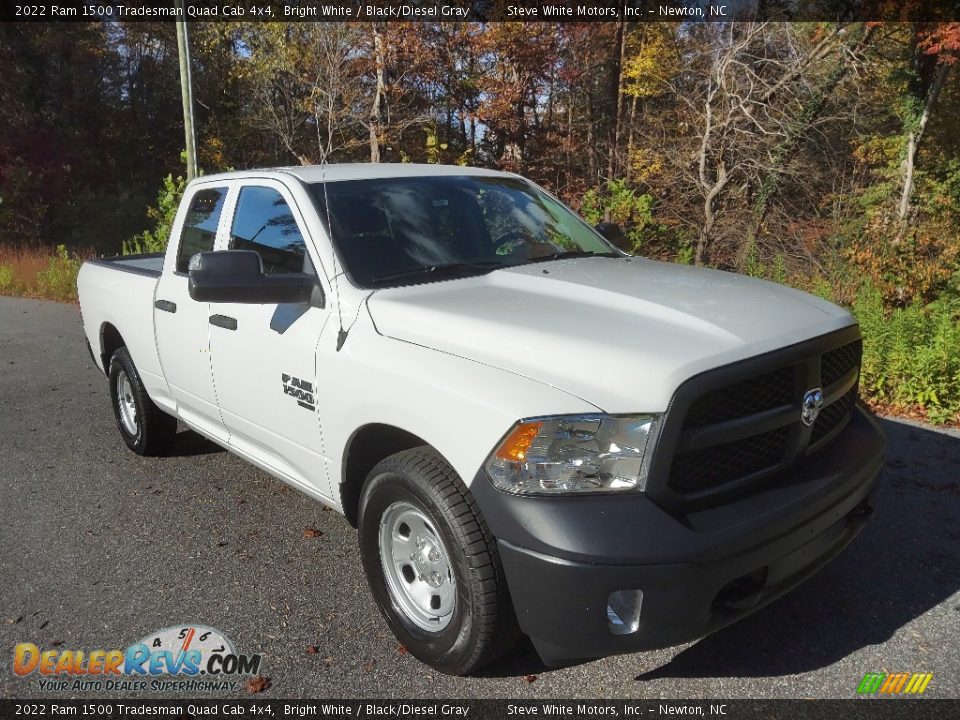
{"x":532,"y":431}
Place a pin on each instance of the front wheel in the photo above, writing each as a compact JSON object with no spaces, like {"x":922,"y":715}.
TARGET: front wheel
{"x":432,"y":564}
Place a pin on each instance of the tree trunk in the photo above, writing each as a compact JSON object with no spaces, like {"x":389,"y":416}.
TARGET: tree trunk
{"x":709,"y":217}
{"x":375,"y":125}
{"x":710,"y":189}
{"x":591,"y":151}
{"x":913,"y":143}
{"x":618,"y":89}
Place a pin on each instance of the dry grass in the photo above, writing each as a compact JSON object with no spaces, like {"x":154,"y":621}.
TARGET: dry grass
{"x":40,"y":272}
{"x":25,"y":263}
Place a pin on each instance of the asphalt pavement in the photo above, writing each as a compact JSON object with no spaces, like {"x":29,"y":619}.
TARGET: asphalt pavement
{"x":100,"y":547}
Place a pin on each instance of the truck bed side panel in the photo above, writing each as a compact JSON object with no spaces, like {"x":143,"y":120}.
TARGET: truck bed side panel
{"x":120,"y":293}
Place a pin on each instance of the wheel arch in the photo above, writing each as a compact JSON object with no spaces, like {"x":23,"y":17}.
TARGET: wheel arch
{"x":367,"y":446}
{"x":110,"y":341}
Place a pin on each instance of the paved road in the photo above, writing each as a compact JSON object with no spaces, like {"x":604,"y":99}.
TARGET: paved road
{"x":100,"y":547}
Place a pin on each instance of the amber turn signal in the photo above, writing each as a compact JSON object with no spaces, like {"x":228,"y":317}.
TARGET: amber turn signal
{"x":514,"y":448}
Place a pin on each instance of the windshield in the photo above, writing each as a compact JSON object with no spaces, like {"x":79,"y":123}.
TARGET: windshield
{"x":401,"y":231}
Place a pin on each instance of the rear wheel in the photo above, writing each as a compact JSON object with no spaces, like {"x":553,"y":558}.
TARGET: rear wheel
{"x":145,"y":428}
{"x":432,"y":564}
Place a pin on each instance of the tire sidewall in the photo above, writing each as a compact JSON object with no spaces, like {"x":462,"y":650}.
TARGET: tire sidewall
{"x":448,"y":646}
{"x":121,"y":361}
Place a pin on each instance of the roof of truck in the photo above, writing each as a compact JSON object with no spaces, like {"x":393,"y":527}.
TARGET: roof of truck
{"x":357,"y":171}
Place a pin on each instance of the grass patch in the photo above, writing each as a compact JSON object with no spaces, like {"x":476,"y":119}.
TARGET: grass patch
{"x":40,"y":272}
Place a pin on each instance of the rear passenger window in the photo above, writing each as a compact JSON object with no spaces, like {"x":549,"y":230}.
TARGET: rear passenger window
{"x":200,"y":226}
{"x":264,"y":223}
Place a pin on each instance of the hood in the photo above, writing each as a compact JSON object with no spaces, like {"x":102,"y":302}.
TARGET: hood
{"x":620,"y":333}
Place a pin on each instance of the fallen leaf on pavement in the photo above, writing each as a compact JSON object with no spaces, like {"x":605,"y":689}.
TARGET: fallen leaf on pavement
{"x":257,"y":684}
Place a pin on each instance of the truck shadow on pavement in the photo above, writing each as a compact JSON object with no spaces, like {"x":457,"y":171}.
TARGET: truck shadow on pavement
{"x":188,"y":443}
{"x":905,"y":562}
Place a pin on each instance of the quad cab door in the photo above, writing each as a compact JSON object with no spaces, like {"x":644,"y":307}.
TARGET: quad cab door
{"x":180,"y":322}
{"x":264,"y":356}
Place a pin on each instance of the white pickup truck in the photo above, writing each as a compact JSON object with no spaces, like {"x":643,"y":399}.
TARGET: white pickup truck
{"x":532,"y":431}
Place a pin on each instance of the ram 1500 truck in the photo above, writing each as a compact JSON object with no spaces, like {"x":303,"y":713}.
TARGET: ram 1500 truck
{"x":532,"y":431}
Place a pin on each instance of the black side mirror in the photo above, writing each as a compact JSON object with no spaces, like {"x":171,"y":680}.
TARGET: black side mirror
{"x":236,"y":276}
{"x":614,"y":234}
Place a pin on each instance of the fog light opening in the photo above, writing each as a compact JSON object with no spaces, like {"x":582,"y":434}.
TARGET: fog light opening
{"x":623,"y":611}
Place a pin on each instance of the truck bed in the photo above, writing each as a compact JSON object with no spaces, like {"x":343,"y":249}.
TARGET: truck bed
{"x":149,"y":264}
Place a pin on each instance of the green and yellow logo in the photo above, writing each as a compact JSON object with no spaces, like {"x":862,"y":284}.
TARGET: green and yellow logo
{"x":894,"y":683}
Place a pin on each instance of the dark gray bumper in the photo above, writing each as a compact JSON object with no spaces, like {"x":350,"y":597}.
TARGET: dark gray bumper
{"x":698,"y":572}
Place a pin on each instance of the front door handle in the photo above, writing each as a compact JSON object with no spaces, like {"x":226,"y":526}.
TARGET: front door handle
{"x":227,"y":323}
{"x":166,"y":306}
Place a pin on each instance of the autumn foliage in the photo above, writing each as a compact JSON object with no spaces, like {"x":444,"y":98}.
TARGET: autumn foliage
{"x":820,"y":154}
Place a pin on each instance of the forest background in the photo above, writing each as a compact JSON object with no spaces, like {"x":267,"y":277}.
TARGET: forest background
{"x":823,"y":155}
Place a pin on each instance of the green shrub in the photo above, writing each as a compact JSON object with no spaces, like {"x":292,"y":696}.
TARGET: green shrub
{"x":755,"y":267}
{"x":59,"y":280}
{"x":630,"y":209}
{"x":163,"y":214}
{"x":685,"y":254}
{"x":779,"y":271}
{"x":911,"y":355}
{"x":6,"y":280}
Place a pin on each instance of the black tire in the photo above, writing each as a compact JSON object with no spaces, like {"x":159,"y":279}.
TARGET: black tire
{"x":482,"y":625}
{"x":154,"y":429}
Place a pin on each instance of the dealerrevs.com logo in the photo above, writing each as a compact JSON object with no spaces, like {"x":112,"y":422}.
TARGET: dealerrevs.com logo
{"x":185,"y":657}
{"x":903,"y":683}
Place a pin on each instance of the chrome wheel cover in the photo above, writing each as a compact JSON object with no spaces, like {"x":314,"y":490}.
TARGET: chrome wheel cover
{"x":127,"y":405}
{"x":416,"y":566}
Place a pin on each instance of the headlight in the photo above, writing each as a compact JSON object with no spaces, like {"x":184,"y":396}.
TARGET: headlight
{"x":574,"y":453}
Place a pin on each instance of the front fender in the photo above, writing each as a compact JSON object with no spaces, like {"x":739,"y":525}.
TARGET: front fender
{"x":460,"y":407}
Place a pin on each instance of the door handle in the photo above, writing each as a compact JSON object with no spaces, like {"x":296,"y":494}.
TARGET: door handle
{"x":166,"y":306}
{"x":227,"y":323}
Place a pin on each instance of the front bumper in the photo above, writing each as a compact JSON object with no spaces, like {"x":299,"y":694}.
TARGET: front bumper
{"x":563,"y":556}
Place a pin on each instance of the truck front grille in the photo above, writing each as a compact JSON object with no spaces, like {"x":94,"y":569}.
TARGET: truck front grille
{"x":832,"y":417}
{"x":700,"y":470}
{"x":743,"y":398}
{"x":835,"y":364}
{"x":730,"y":429}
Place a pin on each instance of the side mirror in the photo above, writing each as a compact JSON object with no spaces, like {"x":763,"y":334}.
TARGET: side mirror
{"x":614,"y":234}
{"x":236,"y":276}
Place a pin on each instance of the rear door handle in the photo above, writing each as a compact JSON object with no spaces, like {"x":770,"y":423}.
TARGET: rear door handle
{"x":227,"y":323}
{"x":166,"y":306}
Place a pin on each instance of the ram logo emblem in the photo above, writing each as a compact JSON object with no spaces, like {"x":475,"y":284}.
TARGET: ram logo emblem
{"x":812,"y":402}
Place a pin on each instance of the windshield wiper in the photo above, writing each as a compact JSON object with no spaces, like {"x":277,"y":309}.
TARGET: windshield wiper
{"x":563,"y":254}
{"x":440,"y":270}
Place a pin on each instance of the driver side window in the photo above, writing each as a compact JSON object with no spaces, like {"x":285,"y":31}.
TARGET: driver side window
{"x":264,"y":222}
{"x":200,"y":225}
